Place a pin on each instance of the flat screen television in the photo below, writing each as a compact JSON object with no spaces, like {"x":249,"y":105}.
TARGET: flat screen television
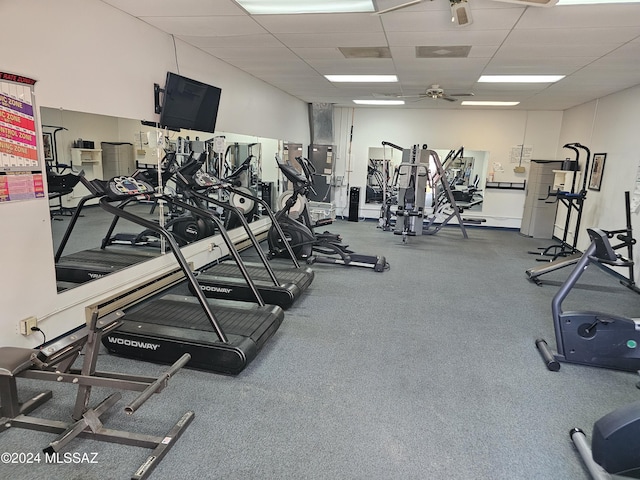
{"x":189,"y":104}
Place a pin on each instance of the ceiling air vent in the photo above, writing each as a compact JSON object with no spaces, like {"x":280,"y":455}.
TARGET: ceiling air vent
{"x":450,"y":51}
{"x":365,"y":52}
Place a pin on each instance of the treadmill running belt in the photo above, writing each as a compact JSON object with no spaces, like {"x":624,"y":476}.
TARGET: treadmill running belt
{"x":164,"y":329}
{"x":177,"y":313}
{"x":228,"y":269}
{"x":80,"y":267}
{"x":225,"y":281}
{"x":114,"y":258}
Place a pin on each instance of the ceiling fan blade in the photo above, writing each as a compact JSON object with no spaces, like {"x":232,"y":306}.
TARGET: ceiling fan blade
{"x":461,"y":94}
{"x":449,"y":99}
{"x":397,"y":7}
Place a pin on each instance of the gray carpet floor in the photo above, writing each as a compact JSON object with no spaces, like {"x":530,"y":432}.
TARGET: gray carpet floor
{"x":426,"y":371}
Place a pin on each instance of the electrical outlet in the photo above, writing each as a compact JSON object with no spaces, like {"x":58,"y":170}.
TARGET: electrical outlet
{"x":27,"y":324}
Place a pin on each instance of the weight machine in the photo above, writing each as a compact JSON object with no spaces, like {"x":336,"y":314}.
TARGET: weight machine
{"x":413,"y":176}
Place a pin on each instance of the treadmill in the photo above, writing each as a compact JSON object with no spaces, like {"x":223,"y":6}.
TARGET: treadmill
{"x":221,"y":336}
{"x":85,"y":265}
{"x":280,"y":286}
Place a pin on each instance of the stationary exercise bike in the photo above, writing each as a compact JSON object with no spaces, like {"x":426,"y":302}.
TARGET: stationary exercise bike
{"x":306,"y":244}
{"x":587,"y":337}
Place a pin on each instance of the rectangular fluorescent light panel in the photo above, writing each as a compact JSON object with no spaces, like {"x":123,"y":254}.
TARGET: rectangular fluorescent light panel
{"x":478,"y":103}
{"x":520,"y":78}
{"x":592,"y":2}
{"x":362,"y":78}
{"x":292,"y":7}
{"x":379,"y":102}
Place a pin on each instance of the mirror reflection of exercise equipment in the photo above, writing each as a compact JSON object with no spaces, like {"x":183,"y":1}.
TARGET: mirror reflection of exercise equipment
{"x":412,"y":178}
{"x":122,"y":134}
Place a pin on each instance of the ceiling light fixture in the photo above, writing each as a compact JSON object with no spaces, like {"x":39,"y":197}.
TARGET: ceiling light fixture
{"x":593,"y":2}
{"x":520,"y":78}
{"x":379,"y":102}
{"x":480,"y":103}
{"x":362,"y":78}
{"x":292,"y":7}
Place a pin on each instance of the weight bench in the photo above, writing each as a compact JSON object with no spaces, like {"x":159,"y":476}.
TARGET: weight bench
{"x":53,"y":362}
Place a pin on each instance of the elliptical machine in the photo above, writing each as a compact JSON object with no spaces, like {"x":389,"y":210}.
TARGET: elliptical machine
{"x":587,"y":337}
{"x":301,"y":238}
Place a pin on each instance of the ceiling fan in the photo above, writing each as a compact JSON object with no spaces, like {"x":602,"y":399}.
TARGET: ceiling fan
{"x":434,"y":92}
{"x":460,"y":10}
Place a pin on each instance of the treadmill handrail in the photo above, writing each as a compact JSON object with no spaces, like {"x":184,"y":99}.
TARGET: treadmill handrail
{"x":184,"y":266}
{"x":243,"y":221}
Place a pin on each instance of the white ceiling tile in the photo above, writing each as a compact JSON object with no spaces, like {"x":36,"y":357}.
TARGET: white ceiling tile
{"x":501,"y":19}
{"x":298,"y":40}
{"x":321,"y":53}
{"x":279,"y":54}
{"x":558,"y":65}
{"x":208,"y":26}
{"x":597,"y":47}
{"x":320,"y":23}
{"x":575,"y":36}
{"x":249,"y":40}
{"x":533,"y":51}
{"x":570,"y":17}
{"x":347,"y":66}
{"x":173,"y":8}
{"x":458,"y":37}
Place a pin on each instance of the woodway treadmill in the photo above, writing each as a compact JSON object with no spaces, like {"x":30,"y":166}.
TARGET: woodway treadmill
{"x":85,"y":265}
{"x":221,"y":336}
{"x":277,"y":285}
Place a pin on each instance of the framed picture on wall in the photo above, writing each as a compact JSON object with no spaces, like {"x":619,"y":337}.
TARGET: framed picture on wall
{"x":47,"y":146}
{"x":597,"y":168}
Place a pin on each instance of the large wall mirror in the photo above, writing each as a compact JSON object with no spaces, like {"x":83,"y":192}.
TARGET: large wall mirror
{"x":103,"y":147}
{"x":466,"y":174}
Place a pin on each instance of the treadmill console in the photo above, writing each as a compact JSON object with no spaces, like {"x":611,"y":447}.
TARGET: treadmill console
{"x":205,"y":180}
{"x":121,"y":187}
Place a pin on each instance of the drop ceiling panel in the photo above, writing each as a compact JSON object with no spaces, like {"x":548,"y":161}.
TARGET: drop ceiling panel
{"x":250,"y":40}
{"x":173,"y":8}
{"x":231,"y":54}
{"x":625,"y":55}
{"x":466,"y":37}
{"x":297,"y":40}
{"x":559,"y":65}
{"x":533,"y":51}
{"x":316,"y":23}
{"x":408,"y":54}
{"x":578,"y":36}
{"x":500,"y":19}
{"x":324,"y":53}
{"x":363,"y":66}
{"x":209,"y":26}
{"x":592,"y":16}
{"x":597,"y":47}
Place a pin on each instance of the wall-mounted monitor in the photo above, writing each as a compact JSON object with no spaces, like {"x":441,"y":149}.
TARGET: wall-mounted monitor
{"x":189,"y":104}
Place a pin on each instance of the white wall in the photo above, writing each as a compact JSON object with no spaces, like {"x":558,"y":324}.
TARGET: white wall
{"x":90,"y":57}
{"x":608,"y":125}
{"x":495,"y":131}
